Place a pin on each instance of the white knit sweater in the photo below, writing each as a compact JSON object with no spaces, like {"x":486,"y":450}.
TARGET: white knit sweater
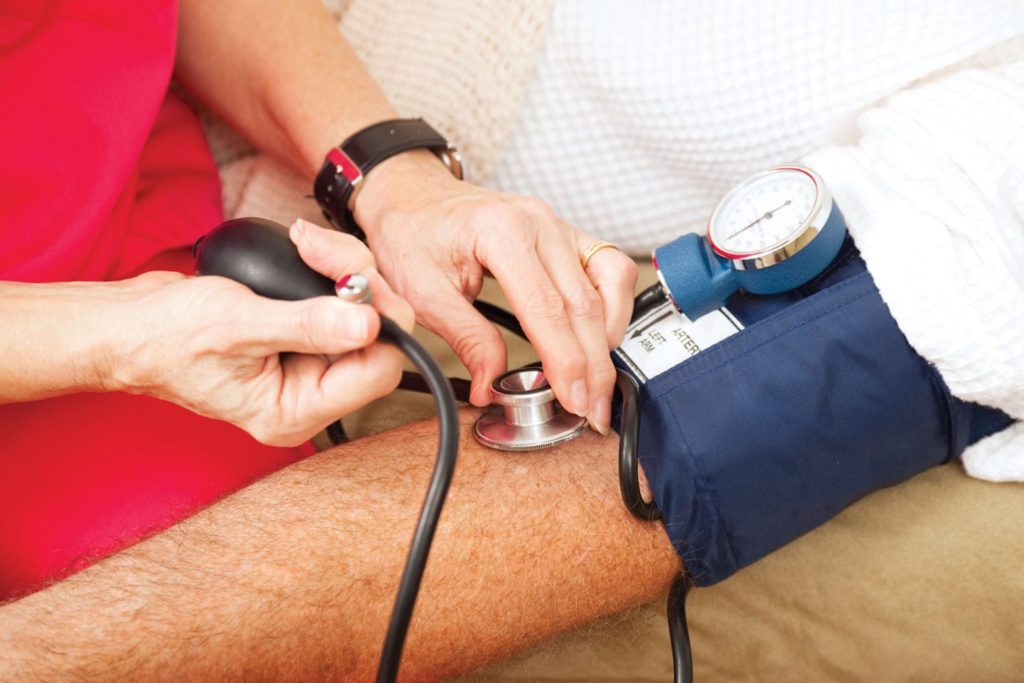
{"x":639,"y":117}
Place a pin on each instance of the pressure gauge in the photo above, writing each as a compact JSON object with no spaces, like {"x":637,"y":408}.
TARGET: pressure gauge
{"x":768,"y":217}
{"x":773,"y":232}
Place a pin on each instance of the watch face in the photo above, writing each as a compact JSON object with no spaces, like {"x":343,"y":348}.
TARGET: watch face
{"x":764,"y":213}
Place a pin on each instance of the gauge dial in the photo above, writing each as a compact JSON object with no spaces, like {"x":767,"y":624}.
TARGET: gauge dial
{"x":764,"y":213}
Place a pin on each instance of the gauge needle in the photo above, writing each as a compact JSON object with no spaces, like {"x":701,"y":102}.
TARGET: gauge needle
{"x":768,"y":214}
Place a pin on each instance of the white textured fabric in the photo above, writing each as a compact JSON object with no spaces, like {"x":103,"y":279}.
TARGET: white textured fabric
{"x":934,"y":194}
{"x":638,"y":121}
{"x":463,"y":66}
{"x":999,"y":457}
{"x":641,"y":116}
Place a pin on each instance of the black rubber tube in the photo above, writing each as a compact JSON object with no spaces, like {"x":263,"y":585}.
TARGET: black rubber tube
{"x":629,"y":467}
{"x":646,"y":300}
{"x":499,"y":316}
{"x":447,"y":453}
{"x":682,"y":657}
{"x":336,"y":433}
{"x":411,"y":381}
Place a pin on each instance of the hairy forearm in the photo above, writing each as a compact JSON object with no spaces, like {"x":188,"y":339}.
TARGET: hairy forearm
{"x":280,"y":72}
{"x":57,"y":338}
{"x":294,"y":577}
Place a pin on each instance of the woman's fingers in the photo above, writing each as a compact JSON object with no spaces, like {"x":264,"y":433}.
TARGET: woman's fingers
{"x":476,"y":341}
{"x":336,"y":254}
{"x":572,"y":317}
{"x":317,"y":392}
{"x":585,"y":311}
{"x":323,"y":325}
{"x":388,"y":303}
{"x":361,"y":377}
{"x":613,"y":274}
{"x":435,"y":246}
{"x":539,"y":305}
{"x":330,"y":252}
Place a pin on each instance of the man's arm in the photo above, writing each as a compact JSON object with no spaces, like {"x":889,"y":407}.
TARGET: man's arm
{"x":294,"y":577}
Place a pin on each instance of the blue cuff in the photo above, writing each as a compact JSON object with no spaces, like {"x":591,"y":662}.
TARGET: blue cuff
{"x":773,"y":431}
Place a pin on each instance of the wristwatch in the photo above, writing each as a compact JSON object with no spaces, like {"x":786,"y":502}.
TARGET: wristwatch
{"x":345,"y":166}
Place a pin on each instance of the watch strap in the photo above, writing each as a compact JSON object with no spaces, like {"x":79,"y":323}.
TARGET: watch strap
{"x":383,"y":140}
{"x":345,"y":166}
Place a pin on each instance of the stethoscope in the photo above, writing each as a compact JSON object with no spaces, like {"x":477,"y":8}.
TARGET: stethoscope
{"x":774,"y":232}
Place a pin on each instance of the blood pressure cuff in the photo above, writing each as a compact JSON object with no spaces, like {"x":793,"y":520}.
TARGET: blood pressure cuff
{"x":767,"y":434}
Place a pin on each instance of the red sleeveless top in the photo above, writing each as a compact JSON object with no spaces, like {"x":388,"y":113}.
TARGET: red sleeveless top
{"x":103,"y":175}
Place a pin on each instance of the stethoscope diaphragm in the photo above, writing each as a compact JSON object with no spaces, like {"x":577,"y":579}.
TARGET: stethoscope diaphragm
{"x":526,"y":416}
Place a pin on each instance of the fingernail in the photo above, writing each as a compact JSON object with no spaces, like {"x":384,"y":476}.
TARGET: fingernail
{"x":600,"y":417}
{"x":355,"y":323}
{"x":478,"y":394}
{"x":297,"y":231}
{"x":578,"y":396}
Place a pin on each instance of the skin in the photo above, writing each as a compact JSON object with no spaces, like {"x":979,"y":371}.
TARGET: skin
{"x":293,"y":578}
{"x":209,"y":343}
{"x":285,"y":78}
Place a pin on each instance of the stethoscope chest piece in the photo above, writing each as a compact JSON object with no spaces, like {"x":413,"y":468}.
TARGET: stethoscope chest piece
{"x":529,"y":417}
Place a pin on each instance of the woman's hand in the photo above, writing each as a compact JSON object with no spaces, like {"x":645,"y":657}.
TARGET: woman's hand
{"x":435,"y":237}
{"x":281,"y":370}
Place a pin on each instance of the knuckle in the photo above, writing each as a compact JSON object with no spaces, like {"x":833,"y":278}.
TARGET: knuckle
{"x":347,"y":241}
{"x":603,"y":376}
{"x":310,"y":324}
{"x":627,"y":269}
{"x":572,"y":365}
{"x":490,"y":215}
{"x":476,"y":343}
{"x":504,"y":227}
{"x":585,"y":303}
{"x":536,"y":207}
{"x":361,"y":255}
{"x":615,"y":334}
{"x":520,"y":241}
{"x":220,"y":339}
{"x":544,"y":306}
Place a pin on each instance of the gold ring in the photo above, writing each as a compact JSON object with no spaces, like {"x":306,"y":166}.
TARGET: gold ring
{"x":593,"y":249}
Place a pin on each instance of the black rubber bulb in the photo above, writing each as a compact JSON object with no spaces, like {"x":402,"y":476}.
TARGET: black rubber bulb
{"x":259,"y":254}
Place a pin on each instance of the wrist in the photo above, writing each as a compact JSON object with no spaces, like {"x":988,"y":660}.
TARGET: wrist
{"x":124,"y":331}
{"x":92,"y":317}
{"x":387,"y":161}
{"x":404,"y":181}
{"x":107,"y":362}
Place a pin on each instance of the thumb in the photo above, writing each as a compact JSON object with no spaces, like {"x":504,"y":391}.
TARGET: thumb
{"x":476,"y":342}
{"x":330,"y":252}
{"x":336,"y":255}
{"x":322,"y":325}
